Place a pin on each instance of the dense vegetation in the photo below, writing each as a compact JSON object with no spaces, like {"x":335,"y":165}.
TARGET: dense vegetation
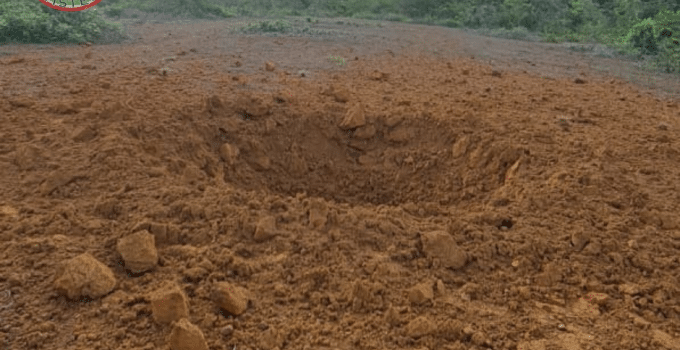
{"x":632,"y":27}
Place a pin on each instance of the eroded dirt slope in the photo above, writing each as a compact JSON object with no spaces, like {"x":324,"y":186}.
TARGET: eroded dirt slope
{"x":401,"y":201}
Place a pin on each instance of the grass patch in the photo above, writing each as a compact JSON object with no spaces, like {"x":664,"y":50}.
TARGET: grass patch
{"x":395,"y":17}
{"x":278,"y":26}
{"x":582,"y":48}
{"x":517,"y":33}
{"x":451,"y":23}
{"x":338,"y":60}
{"x":193,"y":9}
{"x":366,"y":15}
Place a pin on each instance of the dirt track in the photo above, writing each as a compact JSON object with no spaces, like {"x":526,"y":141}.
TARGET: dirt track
{"x":406,"y":199}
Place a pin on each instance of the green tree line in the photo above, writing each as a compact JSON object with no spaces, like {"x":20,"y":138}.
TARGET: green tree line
{"x":643,"y":27}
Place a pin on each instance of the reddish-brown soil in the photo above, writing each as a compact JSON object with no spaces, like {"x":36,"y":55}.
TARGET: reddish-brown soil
{"x":493,"y":194}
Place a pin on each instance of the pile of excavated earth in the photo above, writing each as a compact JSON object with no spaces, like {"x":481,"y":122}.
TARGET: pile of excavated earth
{"x":399,"y":202}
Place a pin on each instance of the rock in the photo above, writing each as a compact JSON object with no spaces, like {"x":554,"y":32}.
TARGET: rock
{"x":339,"y":93}
{"x":27,"y":157}
{"x":193,"y":174}
{"x":297,"y":164}
{"x":229,"y":298}
{"x":22,"y":102}
{"x":227,"y":330}
{"x":266,"y":229}
{"x":441,"y":289}
{"x":8,"y":212}
{"x":379,"y":76}
{"x":479,"y":339}
{"x":139,"y":251}
{"x":440,"y":245}
{"x":84,"y":134}
{"x":419,"y":327}
{"x":365,"y":294}
{"x":108,"y":209}
{"x":318,"y":213}
{"x":392,"y":317}
{"x":460,"y":147}
{"x":261,"y":162}
{"x":579,"y":240}
{"x":421,"y":293}
{"x":195,"y":274}
{"x":186,"y":336}
{"x":550,"y":276}
{"x":393,"y":120}
{"x":451,"y":330}
{"x":213,"y":104}
{"x":229,"y":153}
{"x":365,"y":132}
{"x":163,"y":233}
{"x":271,"y":339}
{"x":399,"y":135}
{"x":56,"y":179}
{"x":629,"y":289}
{"x":668,"y":221}
{"x":663,"y":339}
{"x":84,"y":276}
{"x":354,"y":118}
{"x":169,"y":304}
{"x":366,"y":160}
{"x":270,"y":125}
{"x":269,"y":66}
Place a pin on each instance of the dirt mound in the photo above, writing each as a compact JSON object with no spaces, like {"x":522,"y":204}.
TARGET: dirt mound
{"x":407,"y":202}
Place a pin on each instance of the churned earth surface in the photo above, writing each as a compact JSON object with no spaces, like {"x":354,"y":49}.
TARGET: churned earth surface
{"x":366,"y":186}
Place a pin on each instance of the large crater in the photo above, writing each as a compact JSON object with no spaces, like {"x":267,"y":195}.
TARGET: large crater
{"x":345,"y":155}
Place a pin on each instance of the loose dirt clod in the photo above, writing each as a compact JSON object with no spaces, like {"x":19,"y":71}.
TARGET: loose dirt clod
{"x":440,"y":245}
{"x":421,"y":293}
{"x":84,"y":276}
{"x":230,"y":298}
{"x":419,"y":327}
{"x":186,"y":336}
{"x":138,"y":251}
{"x":169,"y":304}
{"x":265,"y":229}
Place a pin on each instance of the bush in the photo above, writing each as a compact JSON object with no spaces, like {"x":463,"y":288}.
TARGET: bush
{"x":517,"y":13}
{"x":114,"y":11}
{"x":33,"y":22}
{"x":338,"y":7}
{"x":384,"y":6}
{"x":484,"y":16}
{"x":650,"y":37}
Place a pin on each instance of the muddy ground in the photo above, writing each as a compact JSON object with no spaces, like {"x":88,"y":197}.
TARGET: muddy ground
{"x":199,"y":188}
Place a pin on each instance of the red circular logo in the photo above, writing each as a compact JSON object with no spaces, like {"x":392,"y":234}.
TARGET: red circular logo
{"x":70,"y":5}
